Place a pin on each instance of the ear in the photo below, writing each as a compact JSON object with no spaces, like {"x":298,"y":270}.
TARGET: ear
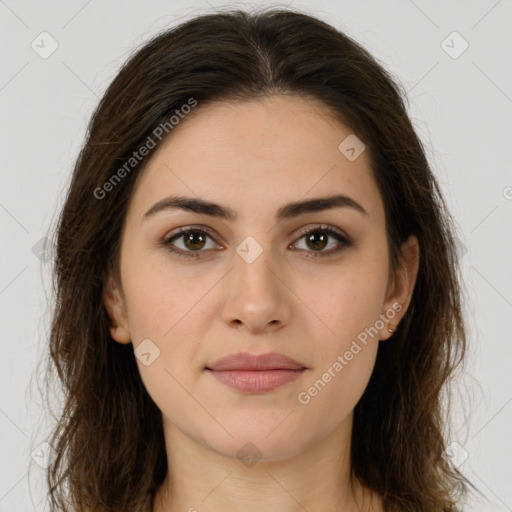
{"x":116,"y":308}
{"x":401,"y":286}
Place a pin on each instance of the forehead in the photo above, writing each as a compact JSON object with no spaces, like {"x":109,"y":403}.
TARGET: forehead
{"x":255,"y":154}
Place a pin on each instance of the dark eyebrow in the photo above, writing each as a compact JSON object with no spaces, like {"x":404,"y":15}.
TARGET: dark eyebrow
{"x":288,"y":211}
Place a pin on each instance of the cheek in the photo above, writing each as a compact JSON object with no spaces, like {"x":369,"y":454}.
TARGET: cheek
{"x":347,"y":336}
{"x":158,"y":299}
{"x":334,"y":392}
{"x":345,"y":361}
{"x":348,"y":371}
{"x":166,"y":310}
{"x":346,"y":303}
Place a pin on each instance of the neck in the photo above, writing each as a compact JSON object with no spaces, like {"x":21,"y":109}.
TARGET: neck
{"x":317,"y":479}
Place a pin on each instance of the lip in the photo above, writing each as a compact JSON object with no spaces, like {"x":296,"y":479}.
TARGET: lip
{"x":255,"y":362}
{"x":256,"y":373}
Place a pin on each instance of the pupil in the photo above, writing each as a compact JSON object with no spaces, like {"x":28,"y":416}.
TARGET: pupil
{"x":322,"y":236}
{"x":190,"y":238}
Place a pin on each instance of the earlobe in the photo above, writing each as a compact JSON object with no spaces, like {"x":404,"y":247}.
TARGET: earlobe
{"x":402,"y":287}
{"x":116,"y":309}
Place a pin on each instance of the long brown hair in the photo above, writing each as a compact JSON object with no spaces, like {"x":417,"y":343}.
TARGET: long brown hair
{"x":109,"y":438}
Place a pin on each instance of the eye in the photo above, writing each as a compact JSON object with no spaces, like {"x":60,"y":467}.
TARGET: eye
{"x":317,"y":238}
{"x":194,"y":239}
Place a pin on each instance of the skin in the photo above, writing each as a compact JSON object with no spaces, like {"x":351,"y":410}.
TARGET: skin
{"x":254,"y":157}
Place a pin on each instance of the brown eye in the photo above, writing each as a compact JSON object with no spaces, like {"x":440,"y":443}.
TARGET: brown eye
{"x":193,"y":240}
{"x":317,"y":239}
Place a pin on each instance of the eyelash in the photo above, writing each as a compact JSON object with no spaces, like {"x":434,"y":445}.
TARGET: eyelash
{"x":345,"y":241}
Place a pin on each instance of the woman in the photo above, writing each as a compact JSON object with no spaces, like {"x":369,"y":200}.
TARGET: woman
{"x":258,"y":300}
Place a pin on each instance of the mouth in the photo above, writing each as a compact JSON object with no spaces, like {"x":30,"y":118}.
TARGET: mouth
{"x":256,"y":373}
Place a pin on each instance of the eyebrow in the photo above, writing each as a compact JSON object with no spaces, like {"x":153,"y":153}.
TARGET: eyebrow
{"x":288,"y":211}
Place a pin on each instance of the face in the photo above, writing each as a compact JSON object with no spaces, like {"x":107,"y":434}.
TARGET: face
{"x":312,"y":284}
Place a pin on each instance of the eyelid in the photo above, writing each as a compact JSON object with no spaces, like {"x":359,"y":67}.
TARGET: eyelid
{"x":322,"y":227}
{"x":186,"y":229}
{"x":176,"y":234}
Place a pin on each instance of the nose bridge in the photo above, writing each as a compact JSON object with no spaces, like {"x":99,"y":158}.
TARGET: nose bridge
{"x":256,"y":296}
{"x":253,"y":263}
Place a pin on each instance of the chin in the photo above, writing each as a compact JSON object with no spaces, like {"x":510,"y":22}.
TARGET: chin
{"x":259,"y":439}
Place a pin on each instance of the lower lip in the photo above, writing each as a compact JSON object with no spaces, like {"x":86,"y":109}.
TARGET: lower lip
{"x":257,"y":381}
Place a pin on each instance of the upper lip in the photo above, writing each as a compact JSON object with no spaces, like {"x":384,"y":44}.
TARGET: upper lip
{"x":247,"y":361}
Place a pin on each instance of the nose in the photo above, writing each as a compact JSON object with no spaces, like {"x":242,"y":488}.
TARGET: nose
{"x":257,"y":294}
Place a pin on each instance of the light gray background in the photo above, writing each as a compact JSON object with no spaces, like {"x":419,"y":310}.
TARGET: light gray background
{"x":461,"y":107}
